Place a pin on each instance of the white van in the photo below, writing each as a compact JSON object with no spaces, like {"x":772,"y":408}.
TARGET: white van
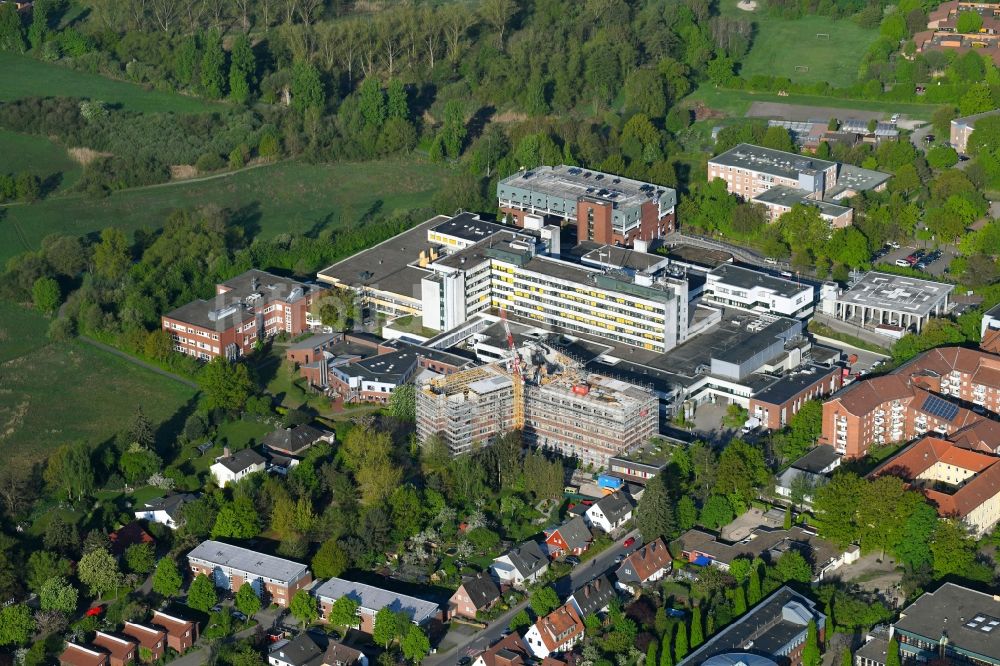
{"x":771,"y":260}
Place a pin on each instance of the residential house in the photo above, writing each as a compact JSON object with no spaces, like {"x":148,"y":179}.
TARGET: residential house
{"x":520,"y":566}
{"x":772,"y":632}
{"x":960,"y":483}
{"x":508,"y":651}
{"x":152,"y":642}
{"x":299,"y":651}
{"x":704,"y":549}
{"x":807,"y":473}
{"x":77,"y":655}
{"x":475,"y":594}
{"x":120,"y":651}
{"x":594,"y":597}
{"x":610,"y":512}
{"x":558,"y":631}
{"x":129,"y":535}
{"x":181,"y":633}
{"x":646,"y":565}
{"x":296,"y":440}
{"x":233,"y":467}
{"x":338,"y":654}
{"x":230,"y":567}
{"x":953,"y":624}
{"x":371,"y":600}
{"x":244,"y":310}
{"x":571,"y":538}
{"x":165,"y":510}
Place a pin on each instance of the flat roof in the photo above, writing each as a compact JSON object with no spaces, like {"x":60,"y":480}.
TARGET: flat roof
{"x":856,"y":178}
{"x":794,"y":383}
{"x":698,"y":256}
{"x":745,"y":278}
{"x":621,"y":257}
{"x":386,"y":266}
{"x":971,"y":619}
{"x":375,"y":598}
{"x":249,"y":561}
{"x":468,"y":227}
{"x":749,"y":346}
{"x":789,"y":196}
{"x":771,"y":161}
{"x":897,"y":293}
{"x":817,"y":459}
{"x":575,"y":183}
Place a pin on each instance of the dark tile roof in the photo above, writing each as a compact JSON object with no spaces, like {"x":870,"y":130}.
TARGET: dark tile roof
{"x":528,"y":558}
{"x":614,"y":506}
{"x":594,"y":596}
{"x":299,"y":651}
{"x":481,"y":590}
{"x":293,"y":440}
{"x":241,"y":460}
{"x":575,"y":533}
{"x":955,"y":611}
{"x":169,"y":504}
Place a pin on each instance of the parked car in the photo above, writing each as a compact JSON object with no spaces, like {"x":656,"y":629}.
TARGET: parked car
{"x":629,"y":542}
{"x":95,"y":611}
{"x":771,"y":260}
{"x":573,"y":560}
{"x":893,"y":244}
{"x":902,"y":263}
{"x":929,"y":138}
{"x":216,"y":608}
{"x":239,"y":616}
{"x":894,"y":118}
{"x":464,"y":661}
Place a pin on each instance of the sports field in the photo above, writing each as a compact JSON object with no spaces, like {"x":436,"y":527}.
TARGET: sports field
{"x":55,"y":393}
{"x":289,"y":197}
{"x":791,"y":48}
{"x":22,"y":76}
{"x":37,"y":155}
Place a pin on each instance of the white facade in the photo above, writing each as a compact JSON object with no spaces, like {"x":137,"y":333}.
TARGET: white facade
{"x":539,"y":648}
{"x":596,"y":518}
{"x":758,"y":292}
{"x":160,"y":516}
{"x":223,"y":475}
{"x":505,"y":571}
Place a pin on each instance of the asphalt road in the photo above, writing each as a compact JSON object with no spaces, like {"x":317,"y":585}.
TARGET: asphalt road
{"x":582,"y":574}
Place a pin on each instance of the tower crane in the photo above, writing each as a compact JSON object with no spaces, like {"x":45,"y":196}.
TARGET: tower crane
{"x":516,"y":377}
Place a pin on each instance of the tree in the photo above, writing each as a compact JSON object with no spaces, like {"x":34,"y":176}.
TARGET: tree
{"x":954,"y":552}
{"x":167,"y":579}
{"x":213,"y":63}
{"x":666,"y":646}
{"x":344,"y":612}
{"x":687,"y":513}
{"x":112,"y":256}
{"x":307,"y":87}
{"x":681,"y":642}
{"x":330,"y":560}
{"x":697,"y":634}
{"x":741,"y":471}
{"x":238,"y":519}
{"x":810,"y":651}
{"x":836,"y":504}
{"x":227,"y":385}
{"x":655,"y":514}
{"x":44,"y":565}
{"x":716,"y":512}
{"x":498,"y":14}
{"x":520,"y":621}
{"x":11,"y":30}
{"x":398,"y":103}
{"x":977,"y":99}
{"x":140,"y":558}
{"x":27,"y":187}
{"x":138,"y":464}
{"x":792,"y":566}
{"x":201,"y":594}
{"x":58,"y":594}
{"x":247,"y":601}
{"x":415,"y":644}
{"x":402,"y":403}
{"x":736,"y":416}
{"x":304,"y":607}
{"x":739,"y":600}
{"x":892,"y":653}
{"x":46,"y":295}
{"x":544,"y":600}
{"x":242,"y":68}
{"x":651,"y":650}
{"x":16,"y":624}
{"x":386,"y":628}
{"x":98,"y":570}
{"x":968,"y":22}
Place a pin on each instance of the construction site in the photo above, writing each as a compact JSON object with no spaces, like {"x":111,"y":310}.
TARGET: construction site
{"x":548,"y":397}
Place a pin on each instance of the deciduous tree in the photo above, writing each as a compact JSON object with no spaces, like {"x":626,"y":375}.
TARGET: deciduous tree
{"x":304,"y":607}
{"x":98,"y":570}
{"x":167,"y":578}
{"x":247,"y":601}
{"x":58,"y":594}
{"x":201,"y":594}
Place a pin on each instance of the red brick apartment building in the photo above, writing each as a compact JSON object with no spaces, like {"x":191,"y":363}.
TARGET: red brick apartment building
{"x":778,"y":403}
{"x":181,"y":633}
{"x":605,"y":208}
{"x":929,"y":393}
{"x":251,"y":306}
{"x":230,"y":567}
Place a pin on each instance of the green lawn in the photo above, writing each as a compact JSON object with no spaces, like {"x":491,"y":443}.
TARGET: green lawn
{"x":781,"y":45}
{"x":22,"y":76}
{"x":52,"y":393}
{"x":737,"y":102}
{"x":25,"y":152}
{"x":289,"y":197}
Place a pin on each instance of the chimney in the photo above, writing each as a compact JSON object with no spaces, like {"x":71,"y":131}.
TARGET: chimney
{"x":226,"y":453}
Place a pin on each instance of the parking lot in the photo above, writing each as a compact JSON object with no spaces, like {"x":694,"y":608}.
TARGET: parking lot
{"x":935,"y":268}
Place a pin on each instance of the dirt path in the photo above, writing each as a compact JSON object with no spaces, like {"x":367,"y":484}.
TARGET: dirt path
{"x":801,"y":113}
{"x":143,"y":364}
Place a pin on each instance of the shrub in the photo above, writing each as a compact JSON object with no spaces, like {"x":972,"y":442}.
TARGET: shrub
{"x":209,"y":162}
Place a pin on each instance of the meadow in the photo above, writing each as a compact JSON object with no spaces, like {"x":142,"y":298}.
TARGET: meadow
{"x":53,"y":393}
{"x":780,"y":45}
{"x":39,"y":156}
{"x":288,"y":197}
{"x":22,"y":76}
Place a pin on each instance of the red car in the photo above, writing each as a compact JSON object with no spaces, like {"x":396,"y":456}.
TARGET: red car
{"x":95,"y":611}
{"x":629,"y":542}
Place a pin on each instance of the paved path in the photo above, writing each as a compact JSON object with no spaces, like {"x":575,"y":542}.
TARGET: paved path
{"x":143,"y":364}
{"x":579,"y":576}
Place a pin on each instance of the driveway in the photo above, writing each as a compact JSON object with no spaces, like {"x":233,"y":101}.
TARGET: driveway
{"x":202,"y":653}
{"x":468,"y":646}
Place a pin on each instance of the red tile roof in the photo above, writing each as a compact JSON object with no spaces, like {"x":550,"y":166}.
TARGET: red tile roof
{"x":561,"y":625}
{"x":175,"y":626}
{"x":147,"y":636}
{"x":129,"y":535}
{"x":77,"y":655}
{"x":118,"y":647}
{"x":512,"y":644}
{"x":991,"y":341}
{"x":650,"y":558}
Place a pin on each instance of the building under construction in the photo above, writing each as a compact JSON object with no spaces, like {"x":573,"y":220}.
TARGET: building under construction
{"x":559,"y":407}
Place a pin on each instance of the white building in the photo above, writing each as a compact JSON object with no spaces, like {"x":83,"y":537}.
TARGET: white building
{"x":755,"y":291}
{"x":232,"y":468}
{"x":521,"y":566}
{"x":558,"y":631}
{"x":165,"y":510}
{"x":609,"y":513}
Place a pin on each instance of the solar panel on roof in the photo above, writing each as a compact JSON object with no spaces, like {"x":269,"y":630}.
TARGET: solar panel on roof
{"x":935,"y":406}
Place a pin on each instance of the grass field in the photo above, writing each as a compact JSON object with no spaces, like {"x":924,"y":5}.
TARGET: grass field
{"x":22,"y":76}
{"x":780,"y":45}
{"x":283,"y":198}
{"x":23,"y":152}
{"x":736,"y":102}
{"x":55,"y":393}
